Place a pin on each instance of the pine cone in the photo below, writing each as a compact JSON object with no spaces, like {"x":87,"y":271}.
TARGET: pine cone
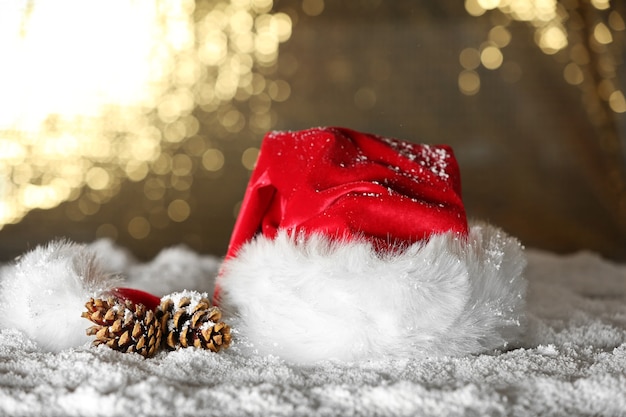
{"x":188,"y":319}
{"x":123,"y":325}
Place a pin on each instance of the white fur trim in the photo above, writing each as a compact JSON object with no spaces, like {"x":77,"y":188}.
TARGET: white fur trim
{"x":309,"y":299}
{"x":44,"y":293}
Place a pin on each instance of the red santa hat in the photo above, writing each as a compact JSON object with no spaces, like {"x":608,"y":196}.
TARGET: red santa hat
{"x":353,"y":246}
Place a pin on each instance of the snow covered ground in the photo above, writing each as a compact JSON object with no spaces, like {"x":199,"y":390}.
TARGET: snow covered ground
{"x":571,"y":363}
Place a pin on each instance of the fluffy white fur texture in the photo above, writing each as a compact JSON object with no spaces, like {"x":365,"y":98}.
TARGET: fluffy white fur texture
{"x":310,"y":299}
{"x":44,"y":292}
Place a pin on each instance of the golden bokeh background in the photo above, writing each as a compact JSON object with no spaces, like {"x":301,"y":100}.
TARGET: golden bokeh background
{"x":141,"y":120}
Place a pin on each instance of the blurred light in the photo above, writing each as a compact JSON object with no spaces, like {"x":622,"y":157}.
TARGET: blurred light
{"x":117,"y":105}
{"x":279,"y":90}
{"x":600,"y":4}
{"x":573,"y":74}
{"x":154,"y":189}
{"x":469,"y":58}
{"x":262,"y":6}
{"x":181,"y":183}
{"x":87,"y":206}
{"x":213,"y":160}
{"x":602,"y":34}
{"x":97,"y":178}
{"x":139,"y":227}
{"x":181,"y":165}
{"x":491,"y":57}
{"x":488,"y":4}
{"x":474,"y":8}
{"x":280,"y":24}
{"x":551,"y":20}
{"x":313,"y":7}
{"x":365,"y":98}
{"x":552,"y":39}
{"x":546,"y":17}
{"x":616,"y":22}
{"x":249,"y":157}
{"x":68,"y":86}
{"x":469,"y":82}
{"x":178,"y":210}
{"x":500,"y":36}
{"x":162,"y":164}
{"x":106,"y":230}
{"x":617,"y":102}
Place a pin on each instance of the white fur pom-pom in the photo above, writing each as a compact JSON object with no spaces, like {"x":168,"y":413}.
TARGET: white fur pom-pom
{"x":44,"y":293}
{"x":310,"y":299}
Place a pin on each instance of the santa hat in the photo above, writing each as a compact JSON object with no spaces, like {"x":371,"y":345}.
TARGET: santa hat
{"x":353,"y":246}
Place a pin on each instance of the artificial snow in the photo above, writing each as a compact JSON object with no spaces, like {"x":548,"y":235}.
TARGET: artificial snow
{"x":571,"y":362}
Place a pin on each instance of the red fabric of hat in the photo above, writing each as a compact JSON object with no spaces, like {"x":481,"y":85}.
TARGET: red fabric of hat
{"x":339,"y":182}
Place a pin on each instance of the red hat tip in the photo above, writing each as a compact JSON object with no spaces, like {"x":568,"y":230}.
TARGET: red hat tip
{"x":136,"y":296}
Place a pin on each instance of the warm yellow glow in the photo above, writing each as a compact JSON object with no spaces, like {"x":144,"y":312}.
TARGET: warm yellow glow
{"x":617,"y":102}
{"x":107,"y":230}
{"x":573,"y":74}
{"x":469,"y":82}
{"x":154,"y":189}
{"x":491,"y":57}
{"x":313,"y":7}
{"x":97,"y":178}
{"x":474,"y":8}
{"x":178,"y":210}
{"x":139,"y":227}
{"x":213,"y":160}
{"x":551,"y":20}
{"x":469,"y":58}
{"x":552,"y":39}
{"x":500,"y":36}
{"x":616,"y":22}
{"x":546,"y":17}
{"x":94,"y":94}
{"x":280,"y":24}
{"x":601,"y":4}
{"x":488,"y":4}
{"x":278,"y":90}
{"x":249,"y":157}
{"x":181,"y":165}
{"x":602,"y":34}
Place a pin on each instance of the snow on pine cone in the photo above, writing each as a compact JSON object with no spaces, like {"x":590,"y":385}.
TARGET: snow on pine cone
{"x":123,"y":325}
{"x":188,"y":319}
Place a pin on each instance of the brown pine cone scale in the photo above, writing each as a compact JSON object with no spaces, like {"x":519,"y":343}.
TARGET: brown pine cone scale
{"x":123,"y":326}
{"x":188,"y":319}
